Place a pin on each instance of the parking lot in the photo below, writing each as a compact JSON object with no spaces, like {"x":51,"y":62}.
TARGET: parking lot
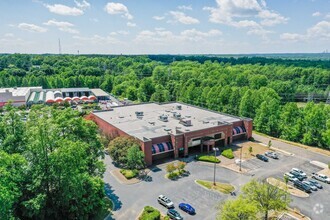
{"x":133,"y":198}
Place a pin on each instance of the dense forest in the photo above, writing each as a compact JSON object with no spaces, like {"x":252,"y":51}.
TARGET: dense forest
{"x":264,"y":89}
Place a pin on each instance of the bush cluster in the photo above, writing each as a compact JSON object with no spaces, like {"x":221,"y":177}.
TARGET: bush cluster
{"x":228,"y":153}
{"x":208,"y":158}
{"x":150,"y":213}
{"x":129,"y":174}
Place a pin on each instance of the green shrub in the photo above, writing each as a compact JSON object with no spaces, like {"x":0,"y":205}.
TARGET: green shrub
{"x":129,"y":174}
{"x":329,"y":165}
{"x":228,"y":153}
{"x":150,"y":213}
{"x":173,"y":175}
{"x":208,"y":158}
{"x":251,"y":139}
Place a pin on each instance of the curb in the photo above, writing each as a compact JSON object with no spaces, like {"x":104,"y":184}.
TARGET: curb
{"x":319,"y":164}
{"x":282,"y":151}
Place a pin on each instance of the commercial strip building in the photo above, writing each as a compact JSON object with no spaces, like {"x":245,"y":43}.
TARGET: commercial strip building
{"x":37,"y":95}
{"x":172,"y":129}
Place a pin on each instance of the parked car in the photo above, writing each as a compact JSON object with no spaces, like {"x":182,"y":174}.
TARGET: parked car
{"x":262,"y":157}
{"x":314,"y":188}
{"x":315,"y":183}
{"x":302,"y":186}
{"x":290,"y":177}
{"x":165,"y":201}
{"x":302,"y":173}
{"x":187,"y":208}
{"x":321,"y":177}
{"x":173,"y":214}
{"x":297,"y":175}
{"x":271,"y":154}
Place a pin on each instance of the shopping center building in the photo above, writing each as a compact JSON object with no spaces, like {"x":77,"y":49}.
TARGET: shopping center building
{"x":173,"y":129}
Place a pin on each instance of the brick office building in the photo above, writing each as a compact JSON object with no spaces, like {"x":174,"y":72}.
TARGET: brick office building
{"x":173,"y":129}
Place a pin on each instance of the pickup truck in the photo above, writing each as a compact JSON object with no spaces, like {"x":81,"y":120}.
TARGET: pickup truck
{"x":321,"y":177}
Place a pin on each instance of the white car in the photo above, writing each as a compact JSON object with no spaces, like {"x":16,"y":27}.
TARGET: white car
{"x":321,"y":177}
{"x":291,"y":177}
{"x":302,"y":173}
{"x":271,"y":154}
{"x":165,"y":201}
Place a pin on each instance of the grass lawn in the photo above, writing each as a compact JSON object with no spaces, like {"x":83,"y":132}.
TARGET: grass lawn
{"x":208,"y":158}
{"x":256,"y":149}
{"x":220,"y":187}
{"x":129,"y":174}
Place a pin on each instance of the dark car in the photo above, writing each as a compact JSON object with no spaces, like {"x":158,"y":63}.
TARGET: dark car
{"x":302,"y":186}
{"x":262,"y":157}
{"x":187,"y":208}
{"x":173,"y":214}
{"x":297,"y":175}
{"x":315,"y":183}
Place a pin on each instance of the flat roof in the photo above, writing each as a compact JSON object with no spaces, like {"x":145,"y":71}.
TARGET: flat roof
{"x":99,"y":92}
{"x":149,"y":126}
{"x":18,"y":91}
{"x":73,"y":89}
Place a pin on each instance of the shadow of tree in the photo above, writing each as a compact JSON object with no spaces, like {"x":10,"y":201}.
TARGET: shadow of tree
{"x":117,"y":204}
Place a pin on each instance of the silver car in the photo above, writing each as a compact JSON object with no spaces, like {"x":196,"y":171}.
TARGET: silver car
{"x":165,"y":201}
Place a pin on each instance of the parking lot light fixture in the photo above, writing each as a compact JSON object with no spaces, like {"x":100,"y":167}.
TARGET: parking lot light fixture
{"x":215,"y":149}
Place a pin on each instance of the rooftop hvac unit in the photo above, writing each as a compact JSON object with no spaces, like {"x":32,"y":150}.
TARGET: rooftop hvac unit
{"x":178,"y":107}
{"x":186,"y":122}
{"x":167,"y":129}
{"x":163,"y":118}
{"x":177,"y":115}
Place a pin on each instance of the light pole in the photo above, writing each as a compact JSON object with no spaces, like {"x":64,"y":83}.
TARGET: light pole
{"x":240,"y":160}
{"x":215,"y":149}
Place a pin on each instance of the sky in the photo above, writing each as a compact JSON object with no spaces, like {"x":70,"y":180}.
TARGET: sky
{"x":164,"y":26}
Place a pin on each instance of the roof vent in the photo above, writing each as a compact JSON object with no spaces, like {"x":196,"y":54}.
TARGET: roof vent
{"x":188,"y":116}
{"x":120,"y":116}
{"x":178,"y":107}
{"x":206,"y":122}
{"x":167,"y":129}
{"x":152,"y":122}
{"x":185,"y":122}
{"x":139,"y":113}
{"x":163,"y":118}
{"x":167,"y":110}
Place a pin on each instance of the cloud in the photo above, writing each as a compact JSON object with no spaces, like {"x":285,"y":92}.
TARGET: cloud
{"x":120,"y":32}
{"x":131,"y":24}
{"x":230,"y":12}
{"x":82,"y":4}
{"x":64,"y":10}
{"x":316,"y":14}
{"x":320,"y":30}
{"x":292,"y":37}
{"x":158,"y":18}
{"x":118,"y":8}
{"x":181,"y":17}
{"x":62,"y":26}
{"x":162,"y":36}
{"x":31,"y":28}
{"x":185,"y":7}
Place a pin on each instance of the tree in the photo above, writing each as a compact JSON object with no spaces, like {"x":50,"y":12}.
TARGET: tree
{"x":269,"y":143}
{"x":238,"y":209}
{"x":266,"y":196}
{"x":180,"y":166}
{"x":170,"y":168}
{"x":118,"y":149}
{"x":135,"y":158}
{"x":250,"y":149}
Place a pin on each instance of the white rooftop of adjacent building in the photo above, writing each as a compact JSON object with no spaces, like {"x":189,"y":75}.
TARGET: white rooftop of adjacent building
{"x":150,"y":126}
{"x":99,"y":92}
{"x":19,"y":91}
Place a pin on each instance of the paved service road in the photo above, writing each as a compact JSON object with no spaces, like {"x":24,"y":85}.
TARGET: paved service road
{"x":130,"y":199}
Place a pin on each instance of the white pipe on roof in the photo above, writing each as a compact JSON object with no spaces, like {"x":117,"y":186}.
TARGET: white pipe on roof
{"x":41,"y":96}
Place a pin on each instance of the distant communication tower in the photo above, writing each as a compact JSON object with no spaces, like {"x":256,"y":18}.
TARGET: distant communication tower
{"x":59,"y":47}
